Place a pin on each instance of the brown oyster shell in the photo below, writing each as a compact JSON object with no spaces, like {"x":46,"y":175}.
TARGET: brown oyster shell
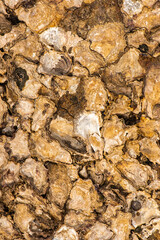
{"x":79,"y":120}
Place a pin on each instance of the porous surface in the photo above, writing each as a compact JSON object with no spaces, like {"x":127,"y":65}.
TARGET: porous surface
{"x":79,"y":120}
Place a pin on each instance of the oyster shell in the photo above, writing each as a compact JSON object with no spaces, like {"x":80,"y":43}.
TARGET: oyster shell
{"x":79,"y":120}
{"x":115,"y":134}
{"x":135,"y":173}
{"x":146,"y":210}
{"x":25,"y":107}
{"x":12,"y":3}
{"x":128,"y":67}
{"x":44,"y":108}
{"x":30,"y":48}
{"x":66,"y":233}
{"x":5,"y":25}
{"x":11,"y":37}
{"x":60,"y":185}
{"x":138,"y":39}
{"x":3,"y":109}
{"x":36,"y":171}
{"x":148,"y":19}
{"x":57,"y":37}
{"x":83,"y":197}
{"x":87,"y":125}
{"x":38,"y":17}
{"x":95,"y":94}
{"x":19,"y":145}
{"x":48,"y":150}
{"x":78,"y":220}
{"x":104,"y":40}
{"x":6,"y":227}
{"x":87,"y":58}
{"x":10,"y":174}
{"x":54,"y":63}
{"x":151,"y":90}
{"x":3,"y":156}
{"x":121,"y":225}
{"x":99,"y":230}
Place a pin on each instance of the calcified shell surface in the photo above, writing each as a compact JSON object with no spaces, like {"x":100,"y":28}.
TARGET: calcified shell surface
{"x":79,"y":120}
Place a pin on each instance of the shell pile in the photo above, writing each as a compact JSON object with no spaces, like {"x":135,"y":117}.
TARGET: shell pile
{"x":79,"y":120}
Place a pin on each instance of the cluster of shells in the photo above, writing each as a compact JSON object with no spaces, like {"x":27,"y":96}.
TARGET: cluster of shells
{"x":79,"y":119}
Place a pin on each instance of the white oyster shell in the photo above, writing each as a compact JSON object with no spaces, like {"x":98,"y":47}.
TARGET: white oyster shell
{"x":65,"y":233}
{"x":87,"y":124}
{"x":57,"y":37}
{"x":132,"y":7}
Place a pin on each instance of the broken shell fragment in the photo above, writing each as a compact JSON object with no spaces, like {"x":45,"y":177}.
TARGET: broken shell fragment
{"x":115,"y":134}
{"x":135,"y":173}
{"x":44,"y":108}
{"x":95,"y":94}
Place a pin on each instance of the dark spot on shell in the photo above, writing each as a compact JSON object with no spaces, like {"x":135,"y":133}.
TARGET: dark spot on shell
{"x":69,"y":105}
{"x":20,"y":77}
{"x":6,"y":57}
{"x":12,"y":17}
{"x":8,"y":131}
{"x":143,"y":48}
{"x":28,"y":3}
{"x":138,"y":229}
{"x":130,"y":119}
{"x":136,"y":205}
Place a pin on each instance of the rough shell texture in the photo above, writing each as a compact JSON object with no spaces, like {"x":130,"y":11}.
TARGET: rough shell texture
{"x":36,"y":171}
{"x":84,"y":194}
{"x":53,"y":63}
{"x":87,"y":58}
{"x":49,"y":150}
{"x":104,"y":40}
{"x":98,"y":231}
{"x":79,"y":120}
{"x":66,"y":233}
